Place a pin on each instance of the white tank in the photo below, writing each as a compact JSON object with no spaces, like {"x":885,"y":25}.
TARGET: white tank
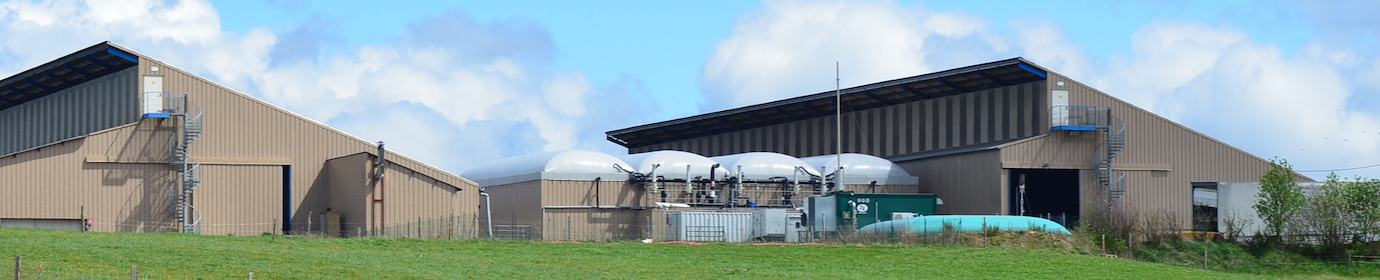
{"x":673,"y":164}
{"x":563,"y":165}
{"x":864,"y":169}
{"x":765,"y":165}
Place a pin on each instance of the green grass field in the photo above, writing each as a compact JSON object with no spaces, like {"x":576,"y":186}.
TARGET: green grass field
{"x":66,"y":255}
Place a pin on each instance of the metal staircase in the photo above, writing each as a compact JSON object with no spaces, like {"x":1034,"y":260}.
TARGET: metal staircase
{"x":1114,"y":180}
{"x":1090,"y":118}
{"x":179,"y":156}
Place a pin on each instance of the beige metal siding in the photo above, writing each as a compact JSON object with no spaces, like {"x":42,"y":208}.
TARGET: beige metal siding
{"x":92,"y":106}
{"x":1162,"y":158}
{"x":100,"y":173}
{"x":595,"y":224}
{"x":998,"y":114}
{"x":244,"y":129}
{"x":590,"y":193}
{"x":249,"y":207}
{"x":515,"y":204}
{"x":413,"y":204}
{"x":969,"y":183}
{"x":122,"y":177}
{"x":348,"y":192}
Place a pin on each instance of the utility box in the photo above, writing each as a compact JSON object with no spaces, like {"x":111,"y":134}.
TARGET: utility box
{"x":850,"y":211}
{"x":330,"y":224}
{"x":776,"y":224}
{"x":770,"y":221}
{"x":822,"y":213}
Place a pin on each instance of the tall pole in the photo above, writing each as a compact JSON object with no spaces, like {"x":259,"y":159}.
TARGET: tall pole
{"x":838,"y":133}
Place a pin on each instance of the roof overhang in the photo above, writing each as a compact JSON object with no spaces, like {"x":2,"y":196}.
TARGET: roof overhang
{"x":934,"y":85}
{"x":76,"y":68}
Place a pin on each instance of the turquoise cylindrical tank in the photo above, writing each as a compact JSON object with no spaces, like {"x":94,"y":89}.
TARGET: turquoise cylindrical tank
{"x":962,"y":223}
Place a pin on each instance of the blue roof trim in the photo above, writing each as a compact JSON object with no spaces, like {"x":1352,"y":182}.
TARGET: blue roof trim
{"x":123,"y":54}
{"x":1034,"y":70}
{"x":1074,"y":128}
{"x":157,"y":115}
{"x":85,"y":65}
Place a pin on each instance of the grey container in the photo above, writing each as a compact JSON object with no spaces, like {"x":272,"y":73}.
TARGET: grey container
{"x":711,"y":226}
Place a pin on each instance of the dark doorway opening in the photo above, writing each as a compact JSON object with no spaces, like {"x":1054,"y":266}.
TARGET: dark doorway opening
{"x":287,"y":199}
{"x":1049,"y":193}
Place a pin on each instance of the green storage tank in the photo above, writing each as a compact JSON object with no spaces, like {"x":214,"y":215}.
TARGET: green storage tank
{"x":848,"y":211}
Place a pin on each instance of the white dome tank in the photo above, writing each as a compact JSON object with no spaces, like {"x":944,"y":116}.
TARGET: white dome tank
{"x":764,"y":165}
{"x":563,"y":165}
{"x":673,"y":164}
{"x":864,"y":169}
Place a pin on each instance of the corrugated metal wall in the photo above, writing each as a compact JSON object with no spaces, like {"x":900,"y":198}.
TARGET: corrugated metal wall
{"x":516,"y":204}
{"x":92,"y":106}
{"x":1162,"y":158}
{"x":585,"y":193}
{"x":245,"y":130}
{"x":998,"y":114}
{"x":969,"y":183}
{"x":348,"y":192}
{"x":59,"y":181}
{"x":122,"y":178}
{"x":596,"y":224}
{"x":248,"y":207}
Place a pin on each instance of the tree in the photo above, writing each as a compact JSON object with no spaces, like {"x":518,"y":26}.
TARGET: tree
{"x":1362,"y":203}
{"x":1328,"y":215}
{"x":1280,"y":197}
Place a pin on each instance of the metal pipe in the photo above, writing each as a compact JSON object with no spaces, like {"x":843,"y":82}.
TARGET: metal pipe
{"x":488,"y":212}
{"x":713,"y":184}
{"x":688,"y":185}
{"x":795,"y":186}
{"x":655,"y":187}
{"x":838,"y":126}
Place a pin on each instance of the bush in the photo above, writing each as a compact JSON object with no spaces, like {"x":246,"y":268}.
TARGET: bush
{"x":1280,"y":198}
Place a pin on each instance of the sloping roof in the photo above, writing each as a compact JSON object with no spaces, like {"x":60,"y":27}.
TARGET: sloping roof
{"x":106,"y":58}
{"x":70,"y":70}
{"x":934,"y":85}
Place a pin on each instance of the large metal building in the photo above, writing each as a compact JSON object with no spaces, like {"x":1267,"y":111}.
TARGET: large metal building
{"x":1005,"y":137}
{"x":113,"y":140}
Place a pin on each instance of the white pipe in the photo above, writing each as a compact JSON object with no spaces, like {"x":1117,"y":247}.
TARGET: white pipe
{"x":655,"y":187}
{"x":796,"y":185}
{"x":488,"y":212}
{"x":688,"y":186}
{"x":740,"y":179}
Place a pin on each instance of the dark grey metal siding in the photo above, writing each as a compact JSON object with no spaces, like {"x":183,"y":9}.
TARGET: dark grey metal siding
{"x":986,"y":116}
{"x":969,"y":183}
{"x":92,"y":106}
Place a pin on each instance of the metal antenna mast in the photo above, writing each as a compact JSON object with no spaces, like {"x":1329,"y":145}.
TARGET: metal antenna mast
{"x":838,"y":134}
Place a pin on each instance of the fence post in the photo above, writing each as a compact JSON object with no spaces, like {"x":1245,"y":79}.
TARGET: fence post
{"x":251,"y":275}
{"x":17,"y":260}
{"x":134,"y":272}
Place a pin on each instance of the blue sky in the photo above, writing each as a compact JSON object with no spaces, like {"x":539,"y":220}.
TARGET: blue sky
{"x":479,"y":80}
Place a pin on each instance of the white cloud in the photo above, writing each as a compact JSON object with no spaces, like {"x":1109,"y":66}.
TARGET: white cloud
{"x":788,"y":49}
{"x":1251,"y":94}
{"x":450,"y":90}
